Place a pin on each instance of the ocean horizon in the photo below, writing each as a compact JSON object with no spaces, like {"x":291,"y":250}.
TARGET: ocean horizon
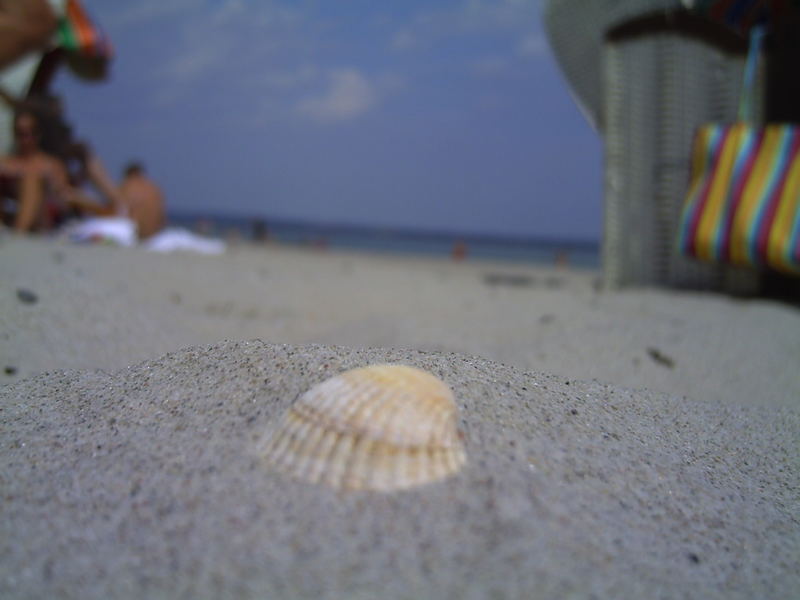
{"x":388,"y":240}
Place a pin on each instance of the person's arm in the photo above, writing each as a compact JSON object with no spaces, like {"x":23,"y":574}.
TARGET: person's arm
{"x":101,"y":179}
{"x":72,"y":196}
{"x":25,"y":26}
{"x":85,"y":204}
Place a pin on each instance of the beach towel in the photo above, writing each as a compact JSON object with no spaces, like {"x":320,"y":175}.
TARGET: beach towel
{"x":743,"y":203}
{"x":118,"y":231}
{"x":121,"y":231}
{"x":178,"y":239}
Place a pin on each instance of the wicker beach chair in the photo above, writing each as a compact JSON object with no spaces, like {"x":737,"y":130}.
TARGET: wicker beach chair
{"x":663,"y":78}
{"x":576,"y":31}
{"x":647,"y":74}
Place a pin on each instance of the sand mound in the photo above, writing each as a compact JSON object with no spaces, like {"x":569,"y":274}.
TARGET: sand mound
{"x":145,"y":483}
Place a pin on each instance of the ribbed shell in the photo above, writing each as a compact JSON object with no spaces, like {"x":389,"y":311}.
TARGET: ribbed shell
{"x":383,"y":427}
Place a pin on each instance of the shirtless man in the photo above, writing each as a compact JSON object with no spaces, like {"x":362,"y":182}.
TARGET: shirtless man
{"x":142,"y":201}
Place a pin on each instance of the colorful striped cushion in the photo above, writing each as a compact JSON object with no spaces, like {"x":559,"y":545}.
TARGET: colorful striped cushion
{"x":78,"y":33}
{"x":743,"y":205}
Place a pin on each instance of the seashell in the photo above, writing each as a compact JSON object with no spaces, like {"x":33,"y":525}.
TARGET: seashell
{"x":382,"y":427}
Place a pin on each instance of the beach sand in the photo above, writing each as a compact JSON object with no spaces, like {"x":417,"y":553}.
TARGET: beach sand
{"x":640,"y":443}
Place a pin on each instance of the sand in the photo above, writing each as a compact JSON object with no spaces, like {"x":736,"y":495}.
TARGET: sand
{"x":628,"y":444}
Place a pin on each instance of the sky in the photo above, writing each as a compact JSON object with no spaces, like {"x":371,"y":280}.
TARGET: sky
{"x":442,"y":115}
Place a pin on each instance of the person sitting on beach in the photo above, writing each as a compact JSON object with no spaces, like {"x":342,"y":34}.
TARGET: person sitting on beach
{"x":57,"y":140}
{"x":142,"y":201}
{"x":35,"y":183}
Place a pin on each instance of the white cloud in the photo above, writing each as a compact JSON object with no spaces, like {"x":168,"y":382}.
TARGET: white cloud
{"x":189,"y":66}
{"x":136,"y":13}
{"x":507,"y":19}
{"x":251,"y":47}
{"x":275,"y":53}
{"x":348,"y":95}
{"x":404,"y":40}
{"x":483,"y":14}
{"x":480,"y":16}
{"x":533,"y":45}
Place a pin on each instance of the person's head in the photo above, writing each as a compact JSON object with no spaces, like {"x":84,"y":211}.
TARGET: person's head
{"x":133,"y":169}
{"x":26,"y":132}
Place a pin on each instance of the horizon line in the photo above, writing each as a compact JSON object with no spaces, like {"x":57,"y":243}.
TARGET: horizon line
{"x":386,"y":229}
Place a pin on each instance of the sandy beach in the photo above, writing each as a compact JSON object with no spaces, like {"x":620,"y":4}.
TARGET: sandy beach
{"x":621,"y":444}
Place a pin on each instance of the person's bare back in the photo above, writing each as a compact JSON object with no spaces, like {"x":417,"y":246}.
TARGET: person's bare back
{"x":143,"y":201}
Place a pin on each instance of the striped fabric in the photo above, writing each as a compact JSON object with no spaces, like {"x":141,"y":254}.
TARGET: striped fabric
{"x":743,"y":205}
{"x":78,"y":33}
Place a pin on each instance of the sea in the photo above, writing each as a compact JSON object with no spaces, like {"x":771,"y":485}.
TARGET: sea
{"x":531,"y":250}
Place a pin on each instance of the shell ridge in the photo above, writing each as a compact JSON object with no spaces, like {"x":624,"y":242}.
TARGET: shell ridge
{"x":361,"y":421}
{"x":388,"y":409}
{"x":356,"y":418}
{"x":282,"y":441}
{"x":444,"y":427}
{"x":322,"y":408}
{"x":336,"y":464}
{"x":346,"y":414}
{"x":300,"y":430}
{"x":353,"y":466}
{"x":317,"y":455}
{"x":308,"y":438}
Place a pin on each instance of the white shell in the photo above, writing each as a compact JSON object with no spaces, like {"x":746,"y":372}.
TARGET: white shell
{"x":383,"y":427}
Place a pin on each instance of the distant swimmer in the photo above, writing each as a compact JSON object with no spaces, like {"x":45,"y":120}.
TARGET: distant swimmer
{"x":142,"y":201}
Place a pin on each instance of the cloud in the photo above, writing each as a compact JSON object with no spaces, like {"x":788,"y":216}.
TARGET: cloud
{"x":348,"y":95}
{"x":474,"y":16}
{"x":468,"y":20}
{"x":494,"y":14}
{"x":137,"y":13}
{"x":189,"y":66}
{"x":404,"y":40}
{"x":533,"y":45}
{"x":241,"y":47}
{"x":274,"y":53}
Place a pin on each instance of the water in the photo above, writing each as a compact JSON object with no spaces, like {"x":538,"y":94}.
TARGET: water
{"x":524,"y":250}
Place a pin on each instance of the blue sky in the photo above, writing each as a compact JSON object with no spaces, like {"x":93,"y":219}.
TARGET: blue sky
{"x":447,"y":115}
